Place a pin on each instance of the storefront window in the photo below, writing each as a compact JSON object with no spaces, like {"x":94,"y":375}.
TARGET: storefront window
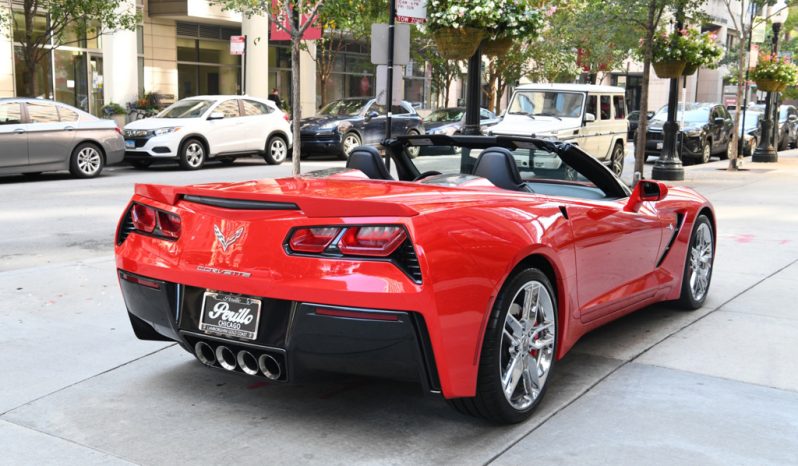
{"x":206,"y":67}
{"x":71,"y":80}
{"x":39,"y":26}
{"x":41,"y":79}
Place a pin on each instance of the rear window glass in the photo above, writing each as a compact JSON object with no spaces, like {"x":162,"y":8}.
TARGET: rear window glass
{"x":42,"y":113}
{"x":620,"y":107}
{"x":67,"y":114}
{"x":605,"y":107}
{"x":10,"y":114}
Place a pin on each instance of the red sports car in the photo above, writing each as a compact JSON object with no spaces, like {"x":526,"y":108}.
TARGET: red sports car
{"x":470,"y":273}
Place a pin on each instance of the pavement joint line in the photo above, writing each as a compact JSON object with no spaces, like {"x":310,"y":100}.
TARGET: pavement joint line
{"x":3,"y":414}
{"x":759,"y":314}
{"x":83,"y":262}
{"x":633,"y":359}
{"x":102,"y":452}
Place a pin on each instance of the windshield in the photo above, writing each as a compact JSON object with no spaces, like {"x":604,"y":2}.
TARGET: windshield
{"x":189,"y":108}
{"x":751,"y":121}
{"x":692,"y":115}
{"x":343,"y":107}
{"x":446,"y":115}
{"x":547,"y":103}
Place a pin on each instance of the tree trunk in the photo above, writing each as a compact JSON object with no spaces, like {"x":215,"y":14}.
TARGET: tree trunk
{"x":296,"y":112}
{"x":640,"y":142}
{"x":734,"y":153}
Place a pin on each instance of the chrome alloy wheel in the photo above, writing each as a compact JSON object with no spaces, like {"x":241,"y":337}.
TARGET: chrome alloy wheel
{"x":527,"y":345}
{"x":700,"y":261}
{"x":706,"y":153}
{"x":278,"y":150}
{"x":350,"y":142}
{"x":89,"y":160}
{"x":195,"y":154}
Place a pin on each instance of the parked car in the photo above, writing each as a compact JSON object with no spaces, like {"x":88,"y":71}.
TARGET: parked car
{"x":344,"y":124}
{"x":450,"y":121}
{"x":472,"y":281}
{"x":194,"y":130}
{"x":707,"y":131}
{"x":751,"y":132}
{"x":788,"y":125}
{"x":39,"y":135}
{"x":592,"y":117}
{"x":634,"y":122}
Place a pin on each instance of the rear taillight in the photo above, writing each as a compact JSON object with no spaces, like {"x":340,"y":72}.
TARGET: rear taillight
{"x":286,"y":117}
{"x":372,"y":241}
{"x":156,"y":222}
{"x":118,"y":130}
{"x":312,"y":240}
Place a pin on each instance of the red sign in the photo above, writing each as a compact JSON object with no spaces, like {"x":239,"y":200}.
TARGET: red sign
{"x":278,"y":34}
{"x":238,"y":45}
{"x":411,"y":11}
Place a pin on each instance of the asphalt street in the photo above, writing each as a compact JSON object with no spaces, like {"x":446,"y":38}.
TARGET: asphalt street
{"x":714,"y":386}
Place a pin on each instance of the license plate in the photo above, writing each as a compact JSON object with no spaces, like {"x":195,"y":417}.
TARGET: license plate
{"x":130,"y":144}
{"x":659,"y":146}
{"x":230,"y":316}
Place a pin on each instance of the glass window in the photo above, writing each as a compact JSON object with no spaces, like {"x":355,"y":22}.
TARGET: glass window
{"x":620,"y":107}
{"x":486,"y":115}
{"x":229,"y":108}
{"x":348,"y":107}
{"x":592,"y":105}
{"x":186,"y":50}
{"x":606,"y":112}
{"x":71,"y":79}
{"x":547,"y":103}
{"x":252,"y":107}
{"x":399,"y":110}
{"x":67,"y":114}
{"x":41,"y":82}
{"x":42,"y":113}
{"x":10,"y":114}
{"x":187,"y":108}
{"x":446,"y":114}
{"x":39,"y":26}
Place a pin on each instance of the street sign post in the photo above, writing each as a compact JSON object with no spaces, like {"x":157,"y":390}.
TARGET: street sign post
{"x":398,"y":93}
{"x":411,"y":11}
{"x":238,"y":46}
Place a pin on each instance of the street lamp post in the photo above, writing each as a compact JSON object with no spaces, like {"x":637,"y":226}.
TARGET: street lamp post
{"x":473,"y":94}
{"x":668,"y":166}
{"x":766,"y":151}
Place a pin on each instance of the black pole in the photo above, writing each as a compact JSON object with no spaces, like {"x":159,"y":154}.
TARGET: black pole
{"x":668,"y":166}
{"x":766,"y":151}
{"x":244,"y":69}
{"x":473,"y":94}
{"x":389,"y":90}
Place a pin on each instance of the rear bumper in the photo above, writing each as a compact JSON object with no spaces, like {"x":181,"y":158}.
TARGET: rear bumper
{"x":305,"y":338}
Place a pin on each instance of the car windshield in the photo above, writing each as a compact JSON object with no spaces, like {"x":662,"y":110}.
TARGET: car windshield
{"x":691,"y":115}
{"x":188,"y":108}
{"x":751,"y":121}
{"x":547,"y":103}
{"x":348,"y":107}
{"x":446,"y":115}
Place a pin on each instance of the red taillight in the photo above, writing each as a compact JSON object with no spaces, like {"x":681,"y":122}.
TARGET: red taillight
{"x":169,"y":224}
{"x":286,"y":117}
{"x":357,"y":314}
{"x":376,"y":241}
{"x":143,"y":217}
{"x":118,"y":130}
{"x":313,"y":240}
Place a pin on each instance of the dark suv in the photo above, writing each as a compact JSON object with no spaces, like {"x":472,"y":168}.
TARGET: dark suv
{"x":707,"y":131}
{"x":344,"y":124}
{"x":788,"y":125}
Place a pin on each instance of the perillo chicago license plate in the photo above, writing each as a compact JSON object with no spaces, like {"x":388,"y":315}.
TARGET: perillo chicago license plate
{"x":230,"y":316}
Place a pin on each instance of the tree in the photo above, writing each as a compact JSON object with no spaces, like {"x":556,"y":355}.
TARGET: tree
{"x":89,"y":19}
{"x":293,"y":17}
{"x":443,"y":71}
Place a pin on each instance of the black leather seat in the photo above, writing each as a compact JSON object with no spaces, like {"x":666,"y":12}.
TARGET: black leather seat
{"x":497,"y":165}
{"x":367,"y":159}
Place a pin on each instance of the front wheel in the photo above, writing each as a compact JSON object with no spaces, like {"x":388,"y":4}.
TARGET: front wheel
{"x":706,"y":151}
{"x":351,"y":140}
{"x":276,"y":151}
{"x":86,"y":161}
{"x":616,"y":160}
{"x":518,"y":354}
{"x":192,"y":155}
{"x":698,"y":265}
{"x":412,"y":151}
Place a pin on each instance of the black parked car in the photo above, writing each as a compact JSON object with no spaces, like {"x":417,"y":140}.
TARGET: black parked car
{"x":344,"y":124}
{"x":707,"y":131}
{"x":788,"y":125}
{"x":450,"y":121}
{"x":751,"y":132}
{"x":634,"y":122}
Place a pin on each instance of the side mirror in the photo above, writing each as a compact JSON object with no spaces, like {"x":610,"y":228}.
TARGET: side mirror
{"x":216,"y":116}
{"x":719,"y":121}
{"x":792,"y":117}
{"x":589,"y":117}
{"x":371,"y":114}
{"x":649,"y":115}
{"x":645,"y":191}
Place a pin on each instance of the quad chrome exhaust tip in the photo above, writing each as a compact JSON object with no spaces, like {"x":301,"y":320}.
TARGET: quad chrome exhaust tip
{"x":247,"y":362}
{"x":205,"y":353}
{"x":226,"y":358}
{"x":269,"y":366}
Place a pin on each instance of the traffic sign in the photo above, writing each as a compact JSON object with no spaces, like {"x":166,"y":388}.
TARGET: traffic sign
{"x":238,"y":45}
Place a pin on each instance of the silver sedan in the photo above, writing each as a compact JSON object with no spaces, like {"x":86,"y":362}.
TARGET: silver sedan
{"x":39,"y":135}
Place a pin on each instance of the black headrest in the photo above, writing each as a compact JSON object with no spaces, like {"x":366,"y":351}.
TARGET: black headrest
{"x":498,"y":166}
{"x":367,"y":159}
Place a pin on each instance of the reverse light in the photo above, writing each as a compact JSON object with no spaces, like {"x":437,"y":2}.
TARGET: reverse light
{"x":143,"y":218}
{"x":373,"y":241}
{"x":312,"y":240}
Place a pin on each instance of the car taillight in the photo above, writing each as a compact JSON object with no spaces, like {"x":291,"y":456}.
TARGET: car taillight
{"x":143,"y":217}
{"x":312,"y":240}
{"x":118,"y":130}
{"x":375,"y":241}
{"x":286,"y":117}
{"x":169,"y":224}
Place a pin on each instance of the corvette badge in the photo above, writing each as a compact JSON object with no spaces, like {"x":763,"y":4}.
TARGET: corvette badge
{"x":227,"y":242}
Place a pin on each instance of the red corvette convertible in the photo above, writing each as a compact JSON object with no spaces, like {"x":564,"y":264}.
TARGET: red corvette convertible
{"x":470,"y":273}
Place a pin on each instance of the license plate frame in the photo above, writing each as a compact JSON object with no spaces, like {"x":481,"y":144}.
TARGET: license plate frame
{"x":229,"y":315}
{"x":659,"y":145}
{"x":130,"y":144}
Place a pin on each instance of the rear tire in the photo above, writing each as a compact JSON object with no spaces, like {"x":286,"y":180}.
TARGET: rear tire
{"x":86,"y":161}
{"x":698,"y":265}
{"x":276,"y":150}
{"x":413,"y":151}
{"x":192,"y":154}
{"x":518,"y":353}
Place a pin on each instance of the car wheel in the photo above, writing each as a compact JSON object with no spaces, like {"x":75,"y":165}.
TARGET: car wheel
{"x":350,"y":141}
{"x":86,"y":161}
{"x":276,"y":150}
{"x":698,"y":265}
{"x":140,"y":164}
{"x":192,"y":155}
{"x":706,"y":151}
{"x":518,"y":354}
{"x":616,"y":160}
{"x":413,"y":151}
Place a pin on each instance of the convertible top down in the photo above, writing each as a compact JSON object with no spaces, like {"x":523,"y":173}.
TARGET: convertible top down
{"x":471,"y":273}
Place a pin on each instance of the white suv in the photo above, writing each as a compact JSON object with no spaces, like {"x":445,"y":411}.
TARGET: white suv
{"x":592,"y":117}
{"x":219,"y":127}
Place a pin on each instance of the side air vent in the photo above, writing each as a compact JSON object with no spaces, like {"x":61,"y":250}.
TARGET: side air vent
{"x":405,"y":257}
{"x":126,"y":228}
{"x":240,"y":204}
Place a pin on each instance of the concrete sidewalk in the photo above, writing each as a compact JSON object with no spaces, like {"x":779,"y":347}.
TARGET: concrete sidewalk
{"x":714,"y":386}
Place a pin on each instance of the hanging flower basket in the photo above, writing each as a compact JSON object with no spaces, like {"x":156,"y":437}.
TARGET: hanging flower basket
{"x":497,"y":47}
{"x":459,"y":43}
{"x":770,"y":85}
{"x":690,"y":69}
{"x":669,"y":69}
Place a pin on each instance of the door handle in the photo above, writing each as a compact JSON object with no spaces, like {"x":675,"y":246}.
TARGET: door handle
{"x":19,"y":131}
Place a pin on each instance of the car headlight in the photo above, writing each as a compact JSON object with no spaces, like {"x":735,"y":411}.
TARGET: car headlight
{"x":693,"y":133}
{"x":328,"y":126}
{"x":160,"y":131}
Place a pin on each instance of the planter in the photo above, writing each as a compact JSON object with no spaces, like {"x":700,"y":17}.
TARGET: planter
{"x":769,"y":85}
{"x":669,"y":69}
{"x":458,"y":44}
{"x":119,"y":119}
{"x":690,"y":69}
{"x":497,"y":47}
